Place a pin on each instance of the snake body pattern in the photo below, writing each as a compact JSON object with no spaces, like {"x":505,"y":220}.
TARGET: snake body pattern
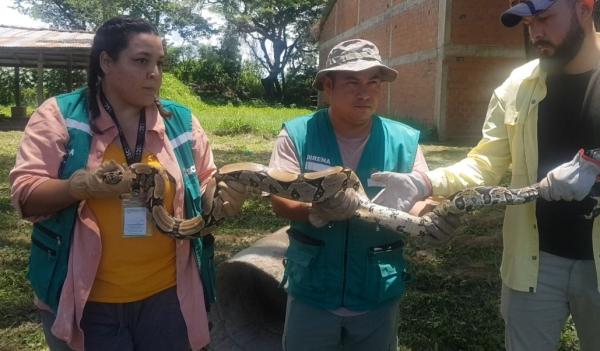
{"x":311,"y":187}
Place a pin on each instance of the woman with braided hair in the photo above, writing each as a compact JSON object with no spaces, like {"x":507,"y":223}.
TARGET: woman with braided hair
{"x":104,"y":278}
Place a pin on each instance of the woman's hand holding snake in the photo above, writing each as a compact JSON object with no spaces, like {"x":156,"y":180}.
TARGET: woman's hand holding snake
{"x":109,"y":180}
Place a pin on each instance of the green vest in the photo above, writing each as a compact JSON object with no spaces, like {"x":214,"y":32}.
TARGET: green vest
{"x":350,"y":263}
{"x":51,"y":238}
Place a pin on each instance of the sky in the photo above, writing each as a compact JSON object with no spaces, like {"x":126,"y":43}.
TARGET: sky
{"x":13,"y":17}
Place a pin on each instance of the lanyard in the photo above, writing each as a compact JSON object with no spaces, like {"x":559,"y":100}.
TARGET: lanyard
{"x":132,"y":157}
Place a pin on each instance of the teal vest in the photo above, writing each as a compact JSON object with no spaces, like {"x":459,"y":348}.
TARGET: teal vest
{"x":350,"y":263}
{"x":51,"y":238}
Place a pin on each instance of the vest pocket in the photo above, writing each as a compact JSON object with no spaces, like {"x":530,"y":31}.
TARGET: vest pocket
{"x":42,"y":263}
{"x":386,"y":273}
{"x":300,"y":260}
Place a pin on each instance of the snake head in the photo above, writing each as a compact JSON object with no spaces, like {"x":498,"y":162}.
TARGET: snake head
{"x":112,"y":177}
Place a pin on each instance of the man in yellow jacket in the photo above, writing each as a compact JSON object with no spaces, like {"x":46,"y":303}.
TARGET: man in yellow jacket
{"x":536,"y":121}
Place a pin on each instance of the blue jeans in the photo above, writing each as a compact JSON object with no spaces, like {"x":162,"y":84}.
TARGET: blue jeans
{"x":534,"y":320}
{"x":310,"y":328}
{"x":155,"y":323}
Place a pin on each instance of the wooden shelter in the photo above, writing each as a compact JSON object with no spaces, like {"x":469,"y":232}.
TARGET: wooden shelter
{"x":43,"y":48}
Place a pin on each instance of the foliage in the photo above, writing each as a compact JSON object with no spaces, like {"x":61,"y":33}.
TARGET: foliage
{"x":181,"y":16}
{"x":208,"y":74}
{"x":216,"y":74}
{"x":173,"y":89}
{"x":55,"y":82}
{"x":277,"y":32}
{"x":298,"y":88}
{"x":7,"y":86}
{"x":249,"y":86}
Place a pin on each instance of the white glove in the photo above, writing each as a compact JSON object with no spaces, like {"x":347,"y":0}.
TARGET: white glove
{"x":401,"y":190}
{"x":339,"y":207}
{"x":572,"y":180}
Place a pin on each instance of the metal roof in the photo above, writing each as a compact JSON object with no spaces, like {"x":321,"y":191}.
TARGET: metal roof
{"x":25,"y":47}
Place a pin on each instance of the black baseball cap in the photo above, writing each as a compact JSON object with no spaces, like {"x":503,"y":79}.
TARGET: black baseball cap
{"x":515,"y":14}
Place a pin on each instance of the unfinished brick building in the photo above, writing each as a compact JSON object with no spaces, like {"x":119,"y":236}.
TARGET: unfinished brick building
{"x":450,"y":55}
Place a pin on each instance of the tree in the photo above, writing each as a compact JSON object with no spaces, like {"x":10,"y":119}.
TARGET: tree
{"x":182,"y":16}
{"x":277,"y":32}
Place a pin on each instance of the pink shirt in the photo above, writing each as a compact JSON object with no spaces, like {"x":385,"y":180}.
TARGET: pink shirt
{"x":284,"y":157}
{"x":39,"y":157}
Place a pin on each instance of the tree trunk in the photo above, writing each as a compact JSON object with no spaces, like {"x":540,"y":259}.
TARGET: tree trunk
{"x":272,"y":87}
{"x":282,"y":87}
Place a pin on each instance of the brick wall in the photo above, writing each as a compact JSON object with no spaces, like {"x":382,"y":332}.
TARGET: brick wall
{"x":471,"y":82}
{"x":450,"y":55}
{"x":411,"y":93}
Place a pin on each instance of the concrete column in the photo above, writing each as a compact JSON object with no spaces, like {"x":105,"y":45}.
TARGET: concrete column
{"x":69,"y":73}
{"x":40,"y":81}
{"x":17,"y":86}
{"x":443,"y":41}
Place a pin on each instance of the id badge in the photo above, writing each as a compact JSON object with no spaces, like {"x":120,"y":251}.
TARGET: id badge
{"x":136,"y":217}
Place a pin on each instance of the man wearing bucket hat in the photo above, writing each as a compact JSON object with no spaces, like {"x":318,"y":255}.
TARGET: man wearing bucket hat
{"x":545,"y":112}
{"x":344,"y":277}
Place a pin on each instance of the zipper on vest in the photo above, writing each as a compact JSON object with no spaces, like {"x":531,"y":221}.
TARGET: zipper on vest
{"x":345,"y":263}
{"x":40,"y":245}
{"x":49,"y":233}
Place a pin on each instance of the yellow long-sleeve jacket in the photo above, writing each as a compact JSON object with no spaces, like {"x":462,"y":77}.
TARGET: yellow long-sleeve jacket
{"x":509,"y":138}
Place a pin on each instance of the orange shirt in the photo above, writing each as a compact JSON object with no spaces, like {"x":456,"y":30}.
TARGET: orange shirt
{"x":131,"y":268}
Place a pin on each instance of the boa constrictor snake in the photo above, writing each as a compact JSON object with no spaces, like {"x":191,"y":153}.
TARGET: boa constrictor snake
{"x":313,"y":187}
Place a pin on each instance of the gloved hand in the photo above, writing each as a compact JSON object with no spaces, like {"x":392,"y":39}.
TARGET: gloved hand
{"x":440,"y":228}
{"x":100,"y":183}
{"x":339,"y":207}
{"x":225,"y":198}
{"x":572,"y":180}
{"x":401,"y":190}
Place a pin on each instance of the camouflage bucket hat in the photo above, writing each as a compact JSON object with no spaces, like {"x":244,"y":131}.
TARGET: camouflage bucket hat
{"x":354,"y":55}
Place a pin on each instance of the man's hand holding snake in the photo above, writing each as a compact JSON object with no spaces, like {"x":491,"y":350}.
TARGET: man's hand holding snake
{"x":572,"y":180}
{"x":224,"y":199}
{"x":401,"y":190}
{"x":440,"y":227}
{"x":339,"y":207}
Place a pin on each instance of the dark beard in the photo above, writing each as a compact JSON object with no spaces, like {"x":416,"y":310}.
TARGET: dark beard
{"x":565,"y":51}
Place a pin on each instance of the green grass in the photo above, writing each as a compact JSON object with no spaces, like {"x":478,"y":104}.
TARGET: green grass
{"x":265,"y":121}
{"x":19,"y":326}
{"x":5,"y":111}
{"x":229,"y":120}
